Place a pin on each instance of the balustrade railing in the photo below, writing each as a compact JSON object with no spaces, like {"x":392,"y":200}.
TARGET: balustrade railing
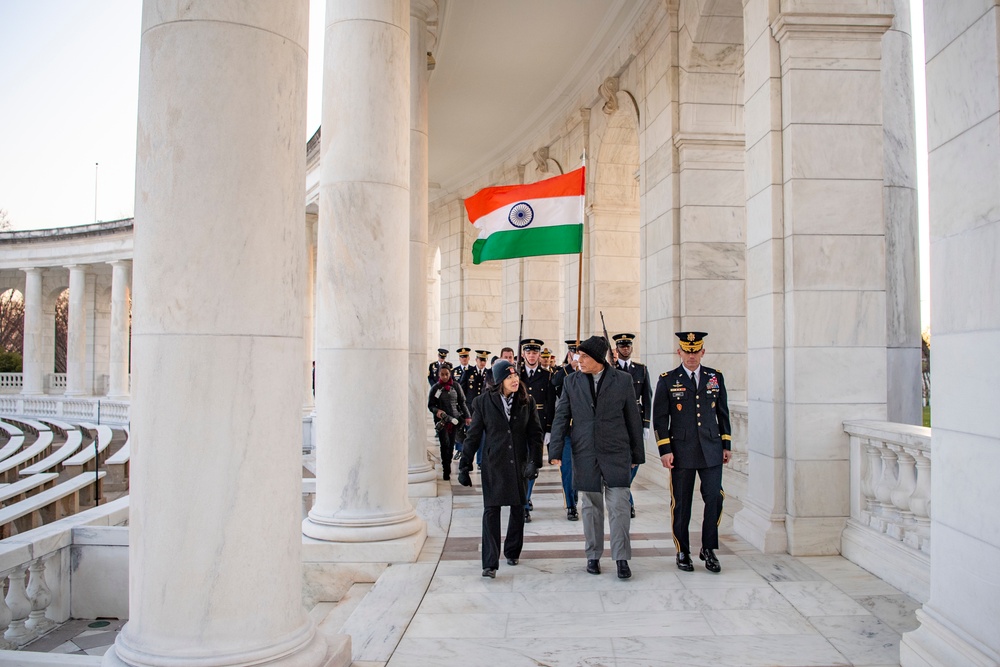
{"x":89,"y":409}
{"x":56,"y":381}
{"x":10,"y":383}
{"x":890,"y":524}
{"x":36,"y":571}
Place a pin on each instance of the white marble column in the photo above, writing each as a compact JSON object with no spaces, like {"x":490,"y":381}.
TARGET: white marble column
{"x":899,"y":202}
{"x":33,"y":368}
{"x":118,"y":364}
{"x":816,"y":266}
{"x":76,"y":332}
{"x":958,"y":625}
{"x":309,"y":315}
{"x":362,"y":288}
{"x":215,"y":563}
{"x":420,"y":473}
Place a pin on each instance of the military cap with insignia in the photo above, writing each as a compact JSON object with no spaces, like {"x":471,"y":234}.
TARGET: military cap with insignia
{"x":463,"y":351}
{"x":532,"y":344}
{"x":546,"y":353}
{"x":571,"y":344}
{"x":623,"y":339}
{"x":482,"y":354}
{"x":442,"y":352}
{"x":691,"y":341}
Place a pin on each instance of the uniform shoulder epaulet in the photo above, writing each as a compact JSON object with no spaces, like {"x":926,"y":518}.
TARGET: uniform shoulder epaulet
{"x":663,"y":375}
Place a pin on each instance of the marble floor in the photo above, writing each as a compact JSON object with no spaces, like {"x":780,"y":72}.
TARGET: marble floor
{"x":761,"y":610}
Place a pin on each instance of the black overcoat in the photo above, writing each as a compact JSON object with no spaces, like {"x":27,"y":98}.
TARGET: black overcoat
{"x":507,"y":446}
{"x":606,"y":437}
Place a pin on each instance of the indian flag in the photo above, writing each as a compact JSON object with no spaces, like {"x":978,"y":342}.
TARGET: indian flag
{"x":543,"y":218}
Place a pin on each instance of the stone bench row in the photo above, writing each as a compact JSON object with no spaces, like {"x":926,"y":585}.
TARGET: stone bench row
{"x":50,"y":505}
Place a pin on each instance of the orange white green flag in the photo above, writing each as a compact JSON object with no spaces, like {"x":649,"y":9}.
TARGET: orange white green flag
{"x":542,"y":218}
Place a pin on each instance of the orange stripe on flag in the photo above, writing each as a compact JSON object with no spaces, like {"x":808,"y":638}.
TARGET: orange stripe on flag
{"x":488,"y":200}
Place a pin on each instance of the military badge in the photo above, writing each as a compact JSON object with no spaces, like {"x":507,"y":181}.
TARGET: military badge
{"x":713,"y":384}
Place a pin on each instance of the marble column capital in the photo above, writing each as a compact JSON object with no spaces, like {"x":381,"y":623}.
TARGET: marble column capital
{"x":33,"y":270}
{"x":816,"y":25}
{"x":424,"y":10}
{"x":127,"y":263}
{"x":76,"y":267}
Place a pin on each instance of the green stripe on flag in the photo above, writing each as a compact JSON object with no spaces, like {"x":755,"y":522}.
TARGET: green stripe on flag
{"x":555,"y":240}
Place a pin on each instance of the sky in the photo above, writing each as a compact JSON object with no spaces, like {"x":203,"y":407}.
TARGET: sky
{"x":69,"y":73}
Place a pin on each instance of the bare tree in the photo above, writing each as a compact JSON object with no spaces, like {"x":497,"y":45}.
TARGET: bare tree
{"x":62,"y":329}
{"x":12,"y":322}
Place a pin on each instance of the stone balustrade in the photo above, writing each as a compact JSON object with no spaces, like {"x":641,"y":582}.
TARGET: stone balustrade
{"x":888,"y":532}
{"x":10,"y":383}
{"x":56,"y":382}
{"x":36,"y":568}
{"x":97,"y":410}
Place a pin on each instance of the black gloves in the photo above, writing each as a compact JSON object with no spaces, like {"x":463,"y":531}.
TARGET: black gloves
{"x":464,"y":479}
{"x":530,"y":470}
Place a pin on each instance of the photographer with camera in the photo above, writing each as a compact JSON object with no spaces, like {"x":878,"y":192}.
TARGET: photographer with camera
{"x":505,"y":424}
{"x":447,"y":403}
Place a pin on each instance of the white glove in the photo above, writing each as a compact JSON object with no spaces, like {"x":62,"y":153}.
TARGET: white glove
{"x":645,"y":433}
{"x":548,"y":436}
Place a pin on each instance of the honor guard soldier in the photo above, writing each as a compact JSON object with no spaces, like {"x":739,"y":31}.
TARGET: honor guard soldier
{"x":546,"y":359}
{"x":474,"y":381}
{"x":435,"y":366}
{"x":693,"y":434}
{"x":458,"y":372}
{"x":641,"y":384}
{"x":538,"y":382}
{"x":559,"y":375}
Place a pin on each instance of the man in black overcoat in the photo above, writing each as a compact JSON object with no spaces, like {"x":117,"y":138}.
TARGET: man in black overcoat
{"x":694,"y":436}
{"x":606,"y":438}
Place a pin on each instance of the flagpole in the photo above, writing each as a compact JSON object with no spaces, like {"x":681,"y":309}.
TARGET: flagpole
{"x":579,"y":278}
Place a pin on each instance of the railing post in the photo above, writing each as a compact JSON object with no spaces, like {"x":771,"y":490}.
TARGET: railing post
{"x":883,"y":490}
{"x":906,"y":482}
{"x":920,"y":505}
{"x":871,"y":481}
{"x":20,"y":607}
{"x":40,"y":596}
{"x":5,"y":614}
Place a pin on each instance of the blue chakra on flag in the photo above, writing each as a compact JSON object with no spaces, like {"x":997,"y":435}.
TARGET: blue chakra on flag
{"x":521,"y":215}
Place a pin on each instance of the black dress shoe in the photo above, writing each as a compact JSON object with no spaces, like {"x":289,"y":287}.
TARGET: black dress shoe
{"x":511,"y":561}
{"x":711,"y":562}
{"x":593,"y":566}
{"x":684,"y":562}
{"x":624,"y":572}
{"x":530,"y":507}
{"x":490,"y":572}
{"x":632,"y":512}
{"x":527,"y":515}
{"x":572,"y":514}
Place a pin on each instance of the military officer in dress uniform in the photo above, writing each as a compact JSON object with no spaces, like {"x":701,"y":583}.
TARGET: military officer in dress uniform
{"x":693,"y":433}
{"x":474,"y":383}
{"x":546,"y":359}
{"x":458,"y":372}
{"x":559,"y":374}
{"x":641,"y":384}
{"x":435,"y":366}
{"x":538,"y":382}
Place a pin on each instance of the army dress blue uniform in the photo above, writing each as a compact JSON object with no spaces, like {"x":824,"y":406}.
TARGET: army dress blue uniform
{"x":692,"y":423}
{"x":435,"y":366}
{"x":538,"y":383}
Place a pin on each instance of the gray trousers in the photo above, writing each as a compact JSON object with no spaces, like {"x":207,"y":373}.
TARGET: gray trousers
{"x":592,"y":513}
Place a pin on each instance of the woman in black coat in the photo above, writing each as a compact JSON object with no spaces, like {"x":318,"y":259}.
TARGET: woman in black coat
{"x":505,"y":424}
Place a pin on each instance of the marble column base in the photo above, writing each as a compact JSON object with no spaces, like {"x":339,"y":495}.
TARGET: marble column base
{"x":814,"y":536}
{"x":937,"y":644}
{"x":761,"y":529}
{"x":320,"y":651}
{"x":404,"y":549}
{"x":421,"y":481}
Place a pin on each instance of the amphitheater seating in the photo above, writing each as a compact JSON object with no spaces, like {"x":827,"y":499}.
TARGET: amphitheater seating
{"x":23,"y":488}
{"x":83,"y":460}
{"x":53,"y":462}
{"x":14,"y":441}
{"x":51,"y":505}
{"x":11,"y":466}
{"x":117,"y":465}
